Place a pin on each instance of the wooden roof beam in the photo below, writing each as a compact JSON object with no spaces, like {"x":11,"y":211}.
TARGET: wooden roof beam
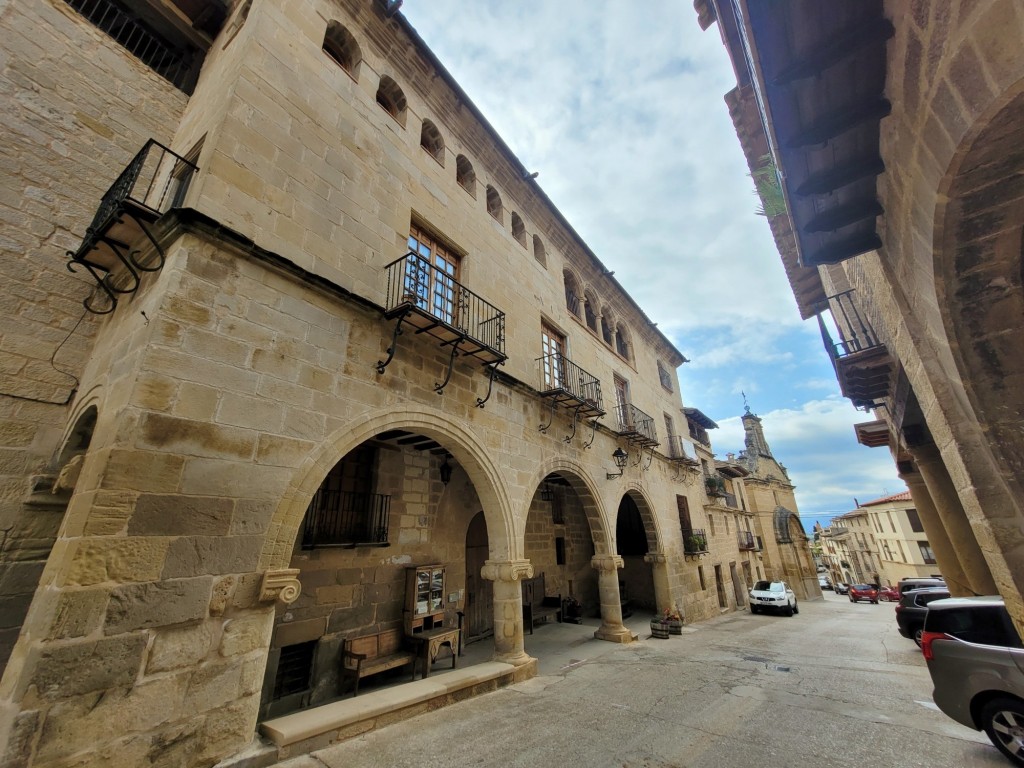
{"x":828,"y":181}
{"x":836,"y":49}
{"x":835,"y":123}
{"x":843,"y":215}
{"x":840,"y":250}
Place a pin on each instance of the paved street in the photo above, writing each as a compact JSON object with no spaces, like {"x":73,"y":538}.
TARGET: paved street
{"x":834,"y":686}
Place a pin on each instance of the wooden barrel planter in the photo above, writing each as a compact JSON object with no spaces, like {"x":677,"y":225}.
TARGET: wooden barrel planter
{"x":659,"y":629}
{"x":675,"y":626}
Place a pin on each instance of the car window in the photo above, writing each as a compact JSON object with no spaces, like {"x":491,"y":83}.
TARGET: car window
{"x":986,"y":625}
{"x":923,"y":600}
{"x":861,"y":586}
{"x":777,"y":586}
{"x":762,"y":585}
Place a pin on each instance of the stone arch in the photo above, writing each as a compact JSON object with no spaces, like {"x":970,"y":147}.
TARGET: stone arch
{"x":341,"y":45}
{"x":573,"y":291}
{"x":781,"y":522}
{"x":607,"y":325}
{"x":654,"y":536}
{"x":979,"y":279}
{"x":432,"y":141}
{"x":623,"y":344}
{"x":590,"y":306}
{"x":392,"y":99}
{"x":584,"y":486}
{"x":464,"y":446}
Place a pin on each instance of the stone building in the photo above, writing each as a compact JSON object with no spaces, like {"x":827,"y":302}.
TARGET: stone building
{"x":286,"y":318}
{"x":850,"y":549}
{"x":890,"y":135}
{"x":901,"y":544}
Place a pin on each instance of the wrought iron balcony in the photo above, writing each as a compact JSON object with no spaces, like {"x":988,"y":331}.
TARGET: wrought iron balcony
{"x":569,"y":385}
{"x":862,"y":363}
{"x":695,"y":542}
{"x":635,"y":425}
{"x":746,"y":541}
{"x":433,"y":302}
{"x":155,"y":181}
{"x":680,"y":449}
{"x":345,"y":519}
{"x":728,"y":500}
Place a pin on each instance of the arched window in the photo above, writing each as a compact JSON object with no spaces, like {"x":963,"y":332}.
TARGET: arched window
{"x":432,"y":141}
{"x":518,"y":229}
{"x":391,"y":97}
{"x":539,"y":253}
{"x":494,"y":206}
{"x":590,"y":311}
{"x":343,"y":48}
{"x":572,"y":292}
{"x":465,"y":175}
{"x":606,"y":327}
{"x":622,"y":341}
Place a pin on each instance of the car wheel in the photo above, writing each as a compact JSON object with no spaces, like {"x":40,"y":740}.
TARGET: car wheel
{"x":852,"y":600}
{"x":796,"y":607}
{"x":789,"y":610}
{"x":1003,"y":721}
{"x":754,"y":609}
{"x":917,"y":635}
{"x":874,"y":602}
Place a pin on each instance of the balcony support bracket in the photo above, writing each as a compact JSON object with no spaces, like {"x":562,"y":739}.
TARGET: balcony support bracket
{"x":439,"y":388}
{"x":575,"y":420}
{"x":551,"y":417}
{"x":593,"y":434}
{"x":382,"y":364}
{"x":491,"y":370}
{"x":650,"y":460}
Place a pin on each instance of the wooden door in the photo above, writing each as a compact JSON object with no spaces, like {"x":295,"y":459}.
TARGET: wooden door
{"x":479,"y":595}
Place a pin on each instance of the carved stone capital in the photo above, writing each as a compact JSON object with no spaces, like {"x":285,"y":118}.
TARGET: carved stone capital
{"x":280,"y":584}
{"x":607,"y":562}
{"x":655,"y":557}
{"x":507,"y":570}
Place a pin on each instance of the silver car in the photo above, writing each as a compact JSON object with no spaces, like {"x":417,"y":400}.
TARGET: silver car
{"x":976,"y":661}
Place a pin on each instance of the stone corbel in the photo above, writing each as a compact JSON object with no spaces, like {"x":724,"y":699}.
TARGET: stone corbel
{"x":280,"y":584}
{"x":508,"y":570}
{"x":655,"y":557}
{"x":607,"y":562}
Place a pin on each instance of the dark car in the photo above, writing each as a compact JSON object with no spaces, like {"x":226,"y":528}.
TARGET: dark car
{"x":912,"y":609}
{"x":860,"y":592}
{"x":840,"y":588}
{"x":908,"y":584}
{"x":976,"y":661}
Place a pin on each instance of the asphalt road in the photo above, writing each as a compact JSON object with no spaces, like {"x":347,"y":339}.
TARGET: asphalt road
{"x":834,"y":686}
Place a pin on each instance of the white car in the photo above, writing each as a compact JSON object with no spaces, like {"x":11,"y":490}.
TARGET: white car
{"x":773,"y":596}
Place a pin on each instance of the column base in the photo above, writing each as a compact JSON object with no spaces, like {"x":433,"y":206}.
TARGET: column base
{"x":615,"y":635}
{"x":521,"y":659}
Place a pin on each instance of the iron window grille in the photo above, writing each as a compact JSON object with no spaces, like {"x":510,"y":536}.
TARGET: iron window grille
{"x":346,"y":518}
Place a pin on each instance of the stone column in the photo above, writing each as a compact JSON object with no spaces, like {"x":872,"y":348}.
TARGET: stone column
{"x":954,"y":518}
{"x":611,"y":629}
{"x":938,"y":537}
{"x":509,"y":644}
{"x":662,"y":591}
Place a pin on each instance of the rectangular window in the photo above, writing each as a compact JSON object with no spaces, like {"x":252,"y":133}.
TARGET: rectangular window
{"x":899,"y":545}
{"x":915,"y":521}
{"x":552,"y":345}
{"x":926,"y":552}
{"x":560,"y":550}
{"x":891,"y":524}
{"x":664,"y":376}
{"x":294,"y":669}
{"x":700,"y":574}
{"x":622,"y":401}
{"x":430,"y":280}
{"x":557,"y":511}
{"x":683,"y":507}
{"x":670,"y":428}
{"x":344,"y":509}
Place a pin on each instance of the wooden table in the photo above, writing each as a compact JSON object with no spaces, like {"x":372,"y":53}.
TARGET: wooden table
{"x":430,"y":643}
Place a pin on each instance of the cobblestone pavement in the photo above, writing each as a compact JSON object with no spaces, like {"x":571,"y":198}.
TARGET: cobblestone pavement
{"x":834,"y":686}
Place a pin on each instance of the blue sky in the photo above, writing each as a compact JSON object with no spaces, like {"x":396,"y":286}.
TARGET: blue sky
{"x":620,"y":107}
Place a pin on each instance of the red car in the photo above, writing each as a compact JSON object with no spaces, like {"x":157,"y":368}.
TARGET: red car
{"x":860,"y":592}
{"x":889,"y":594}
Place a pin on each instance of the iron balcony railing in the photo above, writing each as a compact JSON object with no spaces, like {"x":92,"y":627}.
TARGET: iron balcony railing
{"x":855,"y":331}
{"x":636,"y":425}
{"x":452,"y":311}
{"x":562,"y":379}
{"x":572,"y":302}
{"x":682,"y":450}
{"x":155,"y":180}
{"x":173,"y":64}
{"x":695,"y":542}
{"x":729,"y":500}
{"x":344,"y":518}
{"x":861,"y":361}
{"x":745,"y":540}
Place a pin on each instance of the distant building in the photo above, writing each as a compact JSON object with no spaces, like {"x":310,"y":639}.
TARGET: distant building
{"x":900,"y":539}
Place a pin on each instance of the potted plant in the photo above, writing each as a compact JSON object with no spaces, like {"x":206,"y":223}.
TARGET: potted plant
{"x":714,"y":485}
{"x":673,"y":618}
{"x":659,"y":628}
{"x":696,"y":543}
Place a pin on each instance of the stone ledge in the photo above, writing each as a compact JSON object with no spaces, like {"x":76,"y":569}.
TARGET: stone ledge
{"x":340,"y":716}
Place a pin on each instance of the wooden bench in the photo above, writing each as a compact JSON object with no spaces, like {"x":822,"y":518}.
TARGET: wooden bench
{"x":537,"y":606}
{"x":370,"y":654}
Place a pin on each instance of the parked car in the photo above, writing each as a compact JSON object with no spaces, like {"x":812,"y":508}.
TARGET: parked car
{"x":912,"y":609}
{"x":976,"y":661}
{"x":889,"y":594}
{"x":860,"y":592}
{"x":840,"y":588}
{"x":824,"y":583}
{"x":773,"y":596}
{"x":906,"y":585}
